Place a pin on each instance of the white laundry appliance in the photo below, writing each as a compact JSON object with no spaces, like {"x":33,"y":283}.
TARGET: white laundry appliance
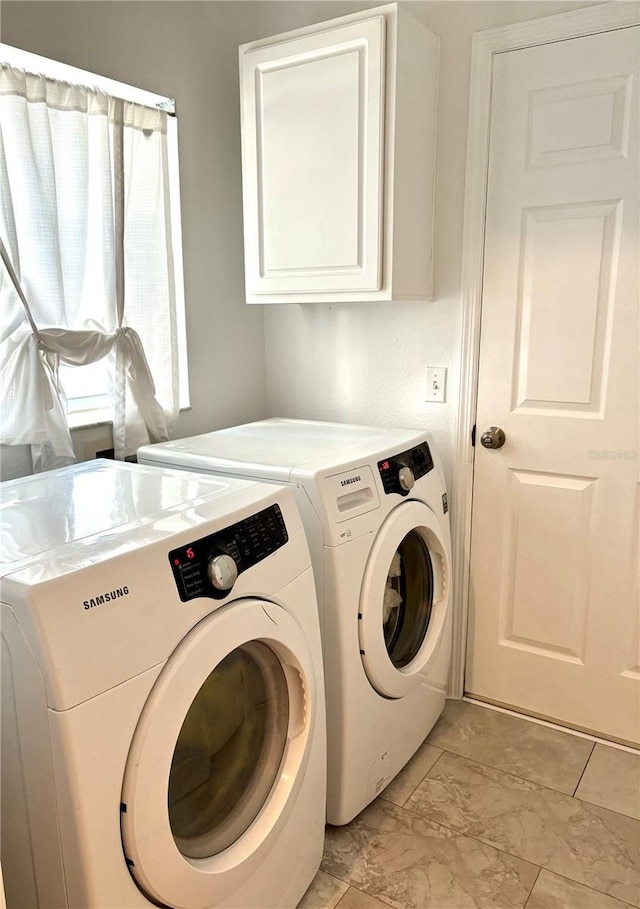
{"x":163,"y":717}
{"x":374,"y":506}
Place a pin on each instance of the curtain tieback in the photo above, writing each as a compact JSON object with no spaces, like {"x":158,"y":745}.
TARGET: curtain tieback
{"x":138,"y":366}
{"x":80,"y":347}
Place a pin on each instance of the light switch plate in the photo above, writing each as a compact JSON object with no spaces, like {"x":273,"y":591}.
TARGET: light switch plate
{"x":436,"y":383}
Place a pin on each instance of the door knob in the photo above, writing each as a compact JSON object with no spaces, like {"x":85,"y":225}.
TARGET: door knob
{"x":493,"y":437}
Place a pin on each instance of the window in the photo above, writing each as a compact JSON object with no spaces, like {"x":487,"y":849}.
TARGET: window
{"x":89,"y":388}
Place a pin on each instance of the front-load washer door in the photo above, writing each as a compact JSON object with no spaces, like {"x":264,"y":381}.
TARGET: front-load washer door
{"x":404,"y":599}
{"x":218,"y":755}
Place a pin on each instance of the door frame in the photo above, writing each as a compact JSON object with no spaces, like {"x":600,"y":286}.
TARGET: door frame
{"x":485,"y":44}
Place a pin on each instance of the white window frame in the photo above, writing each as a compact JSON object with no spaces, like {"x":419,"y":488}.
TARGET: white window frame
{"x":95,"y":408}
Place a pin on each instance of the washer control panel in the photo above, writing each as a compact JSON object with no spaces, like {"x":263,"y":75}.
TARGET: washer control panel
{"x":400,"y":471}
{"x":209,"y":567}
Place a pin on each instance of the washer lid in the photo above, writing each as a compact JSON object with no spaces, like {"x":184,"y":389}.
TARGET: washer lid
{"x":49,"y":510}
{"x":272,"y":449}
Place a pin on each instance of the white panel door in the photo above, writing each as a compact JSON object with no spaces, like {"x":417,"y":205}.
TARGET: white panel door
{"x":554,"y":560}
{"x":313,"y":121}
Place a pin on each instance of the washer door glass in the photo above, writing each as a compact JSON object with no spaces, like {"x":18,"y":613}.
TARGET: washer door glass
{"x":219,"y":754}
{"x":404,"y":599}
{"x":228,"y":751}
{"x":408,"y":600}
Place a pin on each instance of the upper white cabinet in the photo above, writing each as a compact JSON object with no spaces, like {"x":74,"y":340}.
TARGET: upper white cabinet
{"x":338,"y":159}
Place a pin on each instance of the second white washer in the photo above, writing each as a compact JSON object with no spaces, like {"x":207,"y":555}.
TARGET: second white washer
{"x":374,"y":507}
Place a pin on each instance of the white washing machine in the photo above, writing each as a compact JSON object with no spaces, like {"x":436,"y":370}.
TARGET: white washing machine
{"x":374,"y":506}
{"x":163,"y":718}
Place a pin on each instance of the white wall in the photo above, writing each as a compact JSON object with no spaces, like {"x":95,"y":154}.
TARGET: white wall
{"x":367,"y":363}
{"x":359,"y":363}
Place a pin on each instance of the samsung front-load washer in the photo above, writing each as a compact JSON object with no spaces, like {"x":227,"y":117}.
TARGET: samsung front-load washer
{"x":163,"y":724}
{"x":374,"y":505}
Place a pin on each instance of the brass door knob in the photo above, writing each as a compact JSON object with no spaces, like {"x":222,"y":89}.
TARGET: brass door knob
{"x":493,"y":437}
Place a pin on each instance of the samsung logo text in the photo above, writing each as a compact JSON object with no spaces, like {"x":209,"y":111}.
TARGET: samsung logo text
{"x":106,"y":597}
{"x":350,"y":480}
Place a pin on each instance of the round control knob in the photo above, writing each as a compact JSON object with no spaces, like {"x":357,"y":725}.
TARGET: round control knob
{"x":222,"y":571}
{"x":406,"y":478}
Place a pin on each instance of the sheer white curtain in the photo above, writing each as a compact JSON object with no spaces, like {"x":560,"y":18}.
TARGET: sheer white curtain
{"x":86,"y":269}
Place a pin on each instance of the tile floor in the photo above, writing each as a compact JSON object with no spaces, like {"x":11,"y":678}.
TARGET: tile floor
{"x":493,"y":812}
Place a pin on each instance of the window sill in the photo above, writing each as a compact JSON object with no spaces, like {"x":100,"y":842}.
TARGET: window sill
{"x":102,"y":416}
{"x":84,"y":419}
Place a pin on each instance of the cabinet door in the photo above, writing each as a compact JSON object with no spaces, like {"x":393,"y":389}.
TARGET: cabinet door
{"x":312,"y":141}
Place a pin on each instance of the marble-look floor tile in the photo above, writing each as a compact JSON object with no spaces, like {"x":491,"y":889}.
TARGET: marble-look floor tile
{"x":400,"y":788}
{"x":356,"y":899}
{"x":554,"y":892}
{"x":547,"y":756}
{"x":612,"y":780}
{"x":583,"y":842}
{"x":325,"y":892}
{"x":409,"y":862}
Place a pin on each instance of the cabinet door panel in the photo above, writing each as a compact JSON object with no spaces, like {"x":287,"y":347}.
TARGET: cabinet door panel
{"x":313,"y":154}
